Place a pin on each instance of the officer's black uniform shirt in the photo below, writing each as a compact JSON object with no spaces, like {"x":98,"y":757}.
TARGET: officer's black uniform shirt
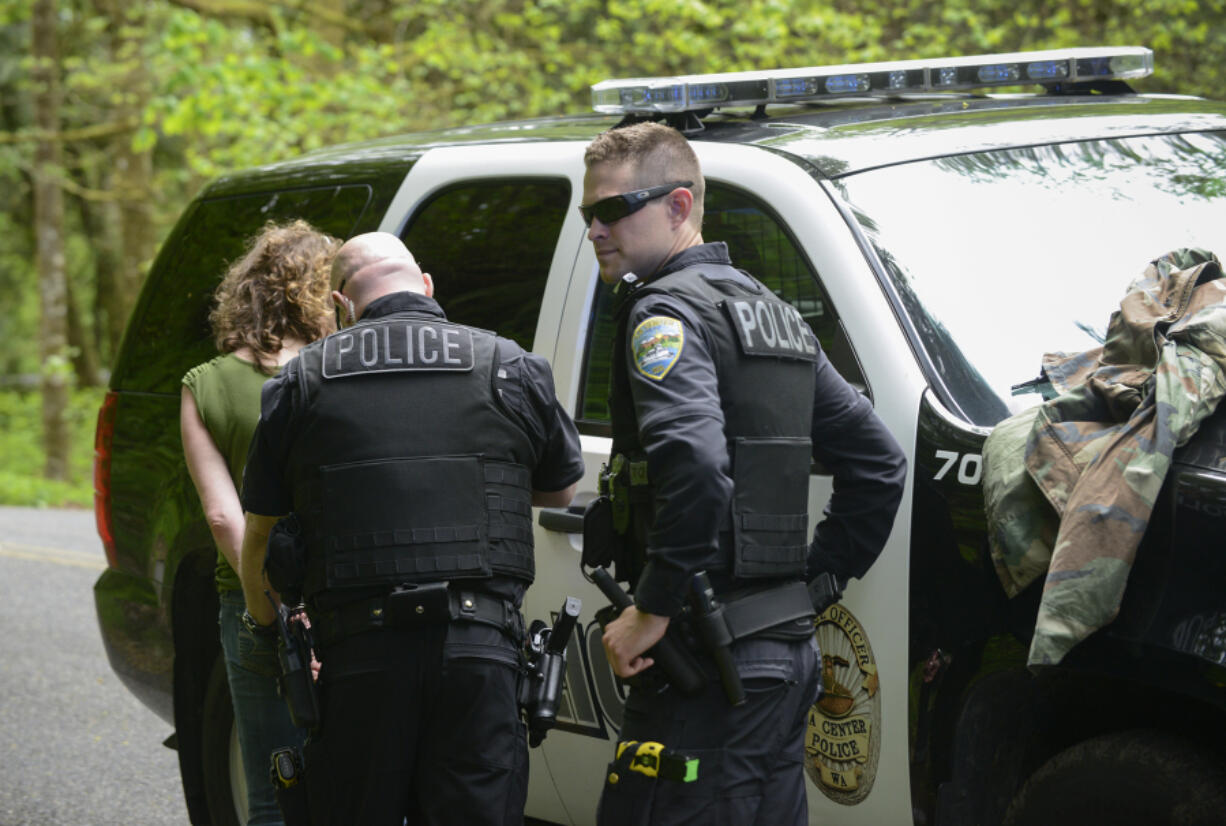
{"x":524,"y":383}
{"x":681,"y":428}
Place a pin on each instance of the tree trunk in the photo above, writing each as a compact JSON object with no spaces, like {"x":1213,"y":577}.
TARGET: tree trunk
{"x":49,"y":240}
{"x":100,"y":220}
{"x":134,"y":171}
{"x":80,"y":345}
{"x":330,"y":20}
{"x":133,"y":176}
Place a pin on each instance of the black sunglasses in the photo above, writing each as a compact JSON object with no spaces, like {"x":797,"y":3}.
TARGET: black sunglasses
{"x":616,"y":207}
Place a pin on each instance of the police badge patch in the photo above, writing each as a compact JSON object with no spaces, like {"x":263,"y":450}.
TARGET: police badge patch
{"x":656,"y":344}
{"x":843,"y":741}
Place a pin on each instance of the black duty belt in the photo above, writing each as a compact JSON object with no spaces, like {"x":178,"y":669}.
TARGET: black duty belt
{"x":777,"y":610}
{"x":415,"y":606}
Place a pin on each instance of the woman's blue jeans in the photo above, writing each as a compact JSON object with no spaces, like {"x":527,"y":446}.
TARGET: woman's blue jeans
{"x":260,"y":714}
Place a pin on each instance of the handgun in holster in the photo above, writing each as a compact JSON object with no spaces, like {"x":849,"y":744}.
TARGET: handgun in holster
{"x":296,"y":685}
{"x":287,"y":777}
{"x":545,"y":650}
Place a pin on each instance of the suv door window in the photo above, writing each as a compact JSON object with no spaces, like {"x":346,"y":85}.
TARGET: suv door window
{"x":173,"y":334}
{"x":488,"y":244}
{"x":758,"y":243}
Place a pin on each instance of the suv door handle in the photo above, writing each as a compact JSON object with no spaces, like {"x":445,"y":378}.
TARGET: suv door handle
{"x":568,"y":519}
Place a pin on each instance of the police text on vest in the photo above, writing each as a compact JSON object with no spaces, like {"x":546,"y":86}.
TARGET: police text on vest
{"x":397,"y":344}
{"x":771,"y":328}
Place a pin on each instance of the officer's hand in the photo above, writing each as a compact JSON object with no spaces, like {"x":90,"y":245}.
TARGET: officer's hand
{"x":628,"y":636}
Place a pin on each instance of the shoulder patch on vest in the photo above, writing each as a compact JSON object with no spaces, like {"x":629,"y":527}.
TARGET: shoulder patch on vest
{"x":771,"y":328}
{"x":398,"y":345}
{"x":656,"y":344}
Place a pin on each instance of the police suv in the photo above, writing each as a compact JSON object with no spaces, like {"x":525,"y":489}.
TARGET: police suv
{"x":939,"y":239}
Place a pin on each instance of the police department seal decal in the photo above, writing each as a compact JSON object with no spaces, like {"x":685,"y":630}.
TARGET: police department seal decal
{"x":843,"y":740}
{"x":657,"y":344}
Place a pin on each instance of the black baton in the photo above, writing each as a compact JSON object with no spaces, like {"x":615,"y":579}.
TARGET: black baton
{"x":682,"y":671}
{"x":715,"y":636}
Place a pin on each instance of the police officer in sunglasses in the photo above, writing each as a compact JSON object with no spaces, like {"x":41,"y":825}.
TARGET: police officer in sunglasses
{"x":720,"y":398}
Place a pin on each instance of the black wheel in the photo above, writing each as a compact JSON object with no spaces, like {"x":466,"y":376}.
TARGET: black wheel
{"x":1133,"y":778}
{"x":225,"y":785}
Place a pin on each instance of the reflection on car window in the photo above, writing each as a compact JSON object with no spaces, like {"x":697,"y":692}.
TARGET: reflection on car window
{"x":488,"y":246}
{"x":757,"y":243}
{"x":1000,"y":257}
{"x":173,"y":334}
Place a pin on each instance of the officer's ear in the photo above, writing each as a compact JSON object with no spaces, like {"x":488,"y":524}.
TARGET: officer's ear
{"x":680,"y":204}
{"x":344,"y":305}
{"x":429,"y":282}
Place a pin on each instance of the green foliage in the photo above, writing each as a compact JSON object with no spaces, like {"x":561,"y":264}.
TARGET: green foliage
{"x":245,"y":98}
{"x":21,"y":453}
{"x":223,"y":92}
{"x":31,"y":490}
{"x":480,"y":60}
{"x":237,"y":94}
{"x":204,"y":94}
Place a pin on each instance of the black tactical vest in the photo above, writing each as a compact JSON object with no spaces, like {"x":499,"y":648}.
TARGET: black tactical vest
{"x":406,"y":467}
{"x":764,"y":354}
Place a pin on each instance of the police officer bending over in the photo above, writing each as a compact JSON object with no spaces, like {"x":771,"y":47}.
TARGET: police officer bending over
{"x":720,"y":395}
{"x":411,"y":450}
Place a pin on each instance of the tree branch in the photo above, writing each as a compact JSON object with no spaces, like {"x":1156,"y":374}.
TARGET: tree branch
{"x":261,"y":14}
{"x":255,"y":12}
{"x":335,"y":18}
{"x":119,"y":194}
{"x":85,"y":133}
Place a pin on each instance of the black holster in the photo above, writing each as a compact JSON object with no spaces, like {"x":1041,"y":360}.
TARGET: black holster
{"x":603,"y":545}
{"x":825,"y":590}
{"x":285,"y":559}
{"x":296,"y":684}
{"x":545,"y":652}
{"x":616,"y":529}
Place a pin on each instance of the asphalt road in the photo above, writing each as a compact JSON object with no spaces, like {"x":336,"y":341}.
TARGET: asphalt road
{"x":75,"y":746}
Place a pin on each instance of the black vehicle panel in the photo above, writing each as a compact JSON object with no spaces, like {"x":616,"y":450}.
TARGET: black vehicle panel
{"x":155,"y":513}
{"x":1170,"y":634}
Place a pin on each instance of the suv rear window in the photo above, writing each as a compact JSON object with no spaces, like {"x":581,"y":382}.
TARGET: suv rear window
{"x":172,"y":334}
{"x":758,"y":243}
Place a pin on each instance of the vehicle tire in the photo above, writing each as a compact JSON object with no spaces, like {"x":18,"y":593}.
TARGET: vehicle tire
{"x":1132,"y":778}
{"x":225,"y":786}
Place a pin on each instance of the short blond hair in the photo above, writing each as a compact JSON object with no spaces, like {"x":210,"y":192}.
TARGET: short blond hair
{"x":658,"y":154}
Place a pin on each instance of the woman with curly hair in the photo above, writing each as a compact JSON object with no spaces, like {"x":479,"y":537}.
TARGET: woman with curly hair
{"x":271,"y":302}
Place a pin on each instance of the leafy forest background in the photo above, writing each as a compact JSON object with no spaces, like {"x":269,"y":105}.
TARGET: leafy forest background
{"x":114,"y":113}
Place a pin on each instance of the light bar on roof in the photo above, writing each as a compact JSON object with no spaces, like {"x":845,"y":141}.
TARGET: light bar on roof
{"x":679,"y":94}
{"x":687,"y":93}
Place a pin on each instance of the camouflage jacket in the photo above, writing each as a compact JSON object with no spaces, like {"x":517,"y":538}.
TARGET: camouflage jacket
{"x":1069,"y":486}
